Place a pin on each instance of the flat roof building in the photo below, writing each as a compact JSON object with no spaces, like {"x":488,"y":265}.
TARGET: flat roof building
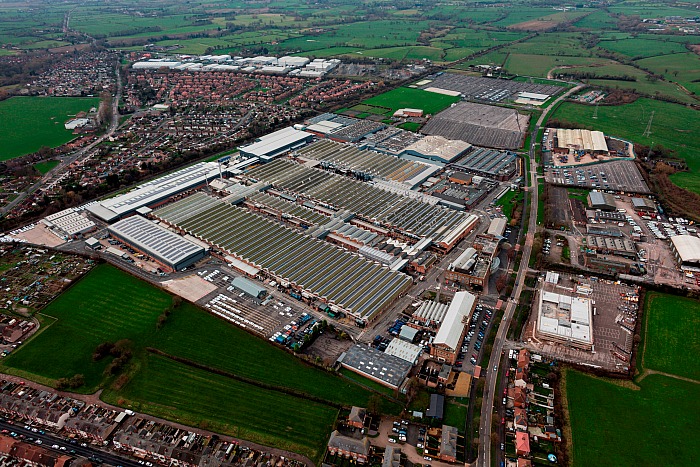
{"x":687,"y":251}
{"x":378,"y":366}
{"x":470,"y":269}
{"x":404,"y":350}
{"x":167,"y":247}
{"x":564,"y":318}
{"x":448,"y":339}
{"x":436,"y":148}
{"x":275,"y":144}
{"x":581,"y":140}
{"x":68,"y":223}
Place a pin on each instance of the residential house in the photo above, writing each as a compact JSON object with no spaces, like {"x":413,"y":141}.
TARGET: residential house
{"x":357,"y":417}
{"x":520,"y":419}
{"x":522,"y":443}
{"x":357,"y":449}
{"x":448,"y":444}
{"x":524,"y":462}
{"x":520,"y":377}
{"x":524,"y":359}
{"x":519,"y":397}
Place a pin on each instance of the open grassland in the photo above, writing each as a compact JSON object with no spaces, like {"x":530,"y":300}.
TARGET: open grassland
{"x":522,"y":14}
{"x":45,"y":167}
{"x":466,"y":13}
{"x":599,"y":19}
{"x":617,"y":424}
{"x":28,"y":123}
{"x":650,"y":9}
{"x":434,"y":54}
{"x":548,"y":22}
{"x":94,"y":310}
{"x":455,"y":415}
{"x":674,"y":126}
{"x":540,"y":65}
{"x":683,"y":68}
{"x":430,"y":102}
{"x":551,"y":44}
{"x":672,"y":342}
{"x":198,"y":398}
{"x":637,"y":47}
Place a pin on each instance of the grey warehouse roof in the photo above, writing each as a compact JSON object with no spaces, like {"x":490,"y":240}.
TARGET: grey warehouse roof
{"x":369,"y":361}
{"x":155,"y":239}
{"x":273,"y":144}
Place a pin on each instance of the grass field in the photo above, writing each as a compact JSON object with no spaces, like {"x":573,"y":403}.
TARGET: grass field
{"x":109,"y":305}
{"x":672,"y":343}
{"x":683,"y":68}
{"x":673,"y":127}
{"x":642,"y":47}
{"x":170,"y":390}
{"x":617,"y":425}
{"x":508,"y":202}
{"x":28,"y":123}
{"x":430,"y":102}
{"x":455,"y":415}
{"x":45,"y":167}
{"x":581,"y":195}
{"x":540,"y":65}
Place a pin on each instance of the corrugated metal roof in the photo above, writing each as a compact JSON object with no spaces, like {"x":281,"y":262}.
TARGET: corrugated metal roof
{"x":452,"y":326}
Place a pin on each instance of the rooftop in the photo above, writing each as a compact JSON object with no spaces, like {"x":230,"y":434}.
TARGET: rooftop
{"x":451,"y":328}
{"x":388,"y":369}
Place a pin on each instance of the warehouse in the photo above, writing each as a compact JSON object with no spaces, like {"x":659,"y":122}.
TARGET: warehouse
{"x":623,"y":247}
{"x":156,"y":191}
{"x":438,"y":149}
{"x":249,"y":287}
{"x":644,"y":205}
{"x":275,"y":144}
{"x":448,"y":339}
{"x":565,"y":319}
{"x":404,"y":350}
{"x":68,"y":223}
{"x":429,"y":314}
{"x":499,"y":165}
{"x":315,"y":270}
{"x":167,"y":247}
{"x":686,"y":248}
{"x":569,"y":141}
{"x":378,"y":366}
{"x":497,"y":227}
{"x":602,"y":201}
{"x":155,"y":64}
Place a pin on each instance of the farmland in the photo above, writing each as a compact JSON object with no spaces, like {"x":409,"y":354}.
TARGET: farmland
{"x":389,"y":102}
{"x":163,"y":386}
{"x":673,"y":127}
{"x":28,"y":123}
{"x":642,"y":47}
{"x":671,"y":342}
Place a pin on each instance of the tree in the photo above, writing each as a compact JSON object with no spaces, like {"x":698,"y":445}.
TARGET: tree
{"x":374,"y":404}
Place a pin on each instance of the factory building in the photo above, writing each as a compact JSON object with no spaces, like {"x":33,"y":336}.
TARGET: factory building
{"x":569,"y":141}
{"x":491,"y":163}
{"x":602,"y":201}
{"x":68,"y":224}
{"x":275,"y":144}
{"x":169,"y":248}
{"x":686,"y":248}
{"x":562,"y":317}
{"x":376,"y":365}
{"x":429,"y":315}
{"x":249,"y":287}
{"x":497,"y":227}
{"x":644,"y":205}
{"x":470,"y":269}
{"x":448,"y":340}
{"x":404,"y":350}
{"x":155,"y":64}
{"x":438,"y":149}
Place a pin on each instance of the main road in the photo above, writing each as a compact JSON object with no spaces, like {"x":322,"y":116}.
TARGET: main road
{"x":487,"y":406}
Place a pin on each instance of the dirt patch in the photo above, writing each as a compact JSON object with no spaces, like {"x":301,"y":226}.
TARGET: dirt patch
{"x":68,"y":48}
{"x":534,"y":25}
{"x":191,"y":288}
{"x":40,"y":235}
{"x":695,"y":48}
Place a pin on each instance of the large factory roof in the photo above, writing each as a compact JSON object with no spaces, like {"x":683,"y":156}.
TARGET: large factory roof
{"x":439,"y":148}
{"x":159,"y":241}
{"x":404,"y":350}
{"x":430,"y":311}
{"x":347,"y":157}
{"x":687,"y":247}
{"x":452,"y":326}
{"x":388,"y":369}
{"x":320,"y":269}
{"x":489,"y":162}
{"x":566,"y":317}
{"x":581,"y":139}
{"x":276,"y":143}
{"x":406,"y":215}
{"x":497,"y":226}
{"x":154,"y":191}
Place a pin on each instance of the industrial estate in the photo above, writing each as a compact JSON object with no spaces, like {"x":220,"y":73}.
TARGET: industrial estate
{"x":258,"y":233}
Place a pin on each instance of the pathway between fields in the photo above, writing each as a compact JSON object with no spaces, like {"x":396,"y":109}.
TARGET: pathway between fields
{"x":648,"y":372}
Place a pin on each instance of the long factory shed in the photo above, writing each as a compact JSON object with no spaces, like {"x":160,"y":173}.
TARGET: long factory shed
{"x":406,"y":216}
{"x":336,"y":277}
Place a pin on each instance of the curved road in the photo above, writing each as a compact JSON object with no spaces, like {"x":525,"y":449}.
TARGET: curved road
{"x":491,"y":376}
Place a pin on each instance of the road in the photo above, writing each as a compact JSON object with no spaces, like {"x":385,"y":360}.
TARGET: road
{"x":491,"y":375}
{"x":68,"y":160}
{"x":48,"y":440}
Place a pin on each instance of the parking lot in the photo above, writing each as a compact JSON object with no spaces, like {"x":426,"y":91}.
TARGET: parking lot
{"x":622,"y":176}
{"x":479,"y":327}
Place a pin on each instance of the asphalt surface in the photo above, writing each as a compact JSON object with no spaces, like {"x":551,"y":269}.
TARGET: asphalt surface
{"x":48,"y":440}
{"x":490,"y":396}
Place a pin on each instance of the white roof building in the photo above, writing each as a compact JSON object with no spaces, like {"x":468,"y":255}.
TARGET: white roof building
{"x":566,"y":319}
{"x":404,"y":350}
{"x":687,"y":248}
{"x":497,"y":226}
{"x":450,"y":331}
{"x":274,"y":144}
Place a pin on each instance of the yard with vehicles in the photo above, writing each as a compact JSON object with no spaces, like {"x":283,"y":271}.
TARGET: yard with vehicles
{"x":672,"y":127}
{"x":177,"y":354}
{"x":28,"y":123}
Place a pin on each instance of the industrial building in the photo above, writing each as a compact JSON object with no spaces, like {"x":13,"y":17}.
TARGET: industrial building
{"x":644,"y":205}
{"x":569,"y":141}
{"x":491,"y":163}
{"x":436,"y":148}
{"x":275,"y":144}
{"x":497,"y":227}
{"x":562,"y":317}
{"x":249,"y":287}
{"x":448,"y":339}
{"x":404,"y":350}
{"x":169,"y":248}
{"x":597,"y":245}
{"x":315,"y":270}
{"x":602,"y":201}
{"x":156,"y":191}
{"x":68,"y":224}
{"x":391,"y":140}
{"x":397,"y":213}
{"x":686,"y":248}
{"x":378,"y":366}
{"x":470,"y":269}
{"x":155,"y":64}
{"x":429,"y":315}
{"x":341,"y":128}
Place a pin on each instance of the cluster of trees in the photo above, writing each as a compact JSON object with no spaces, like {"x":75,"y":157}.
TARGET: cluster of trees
{"x":680,"y":200}
{"x":120,"y":350}
{"x":163,"y":317}
{"x":73,"y":382}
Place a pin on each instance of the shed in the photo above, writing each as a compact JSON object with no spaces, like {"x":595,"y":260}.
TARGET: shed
{"x":249,"y":287}
{"x":437,"y":406}
{"x":408,"y":334}
{"x":92,"y":242}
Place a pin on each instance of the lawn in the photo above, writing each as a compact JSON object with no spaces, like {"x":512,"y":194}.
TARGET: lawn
{"x":198,"y":398}
{"x":45,"y":167}
{"x":430,"y":102}
{"x":673,"y":127}
{"x":672,"y":343}
{"x":683,"y":68}
{"x":28,"y":123}
{"x":508,"y":202}
{"x":455,"y":415}
{"x":581,"y":195}
{"x":615,"y":425}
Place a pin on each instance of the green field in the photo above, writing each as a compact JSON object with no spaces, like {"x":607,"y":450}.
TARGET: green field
{"x":673,"y":127}
{"x":109,"y":305}
{"x":540,"y":65}
{"x":642,"y":47}
{"x":455,"y":415}
{"x":28,"y":123}
{"x":430,"y":102}
{"x":45,"y":167}
{"x":508,"y":202}
{"x":617,"y":424}
{"x":683,"y":68}
{"x":672,"y":343}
